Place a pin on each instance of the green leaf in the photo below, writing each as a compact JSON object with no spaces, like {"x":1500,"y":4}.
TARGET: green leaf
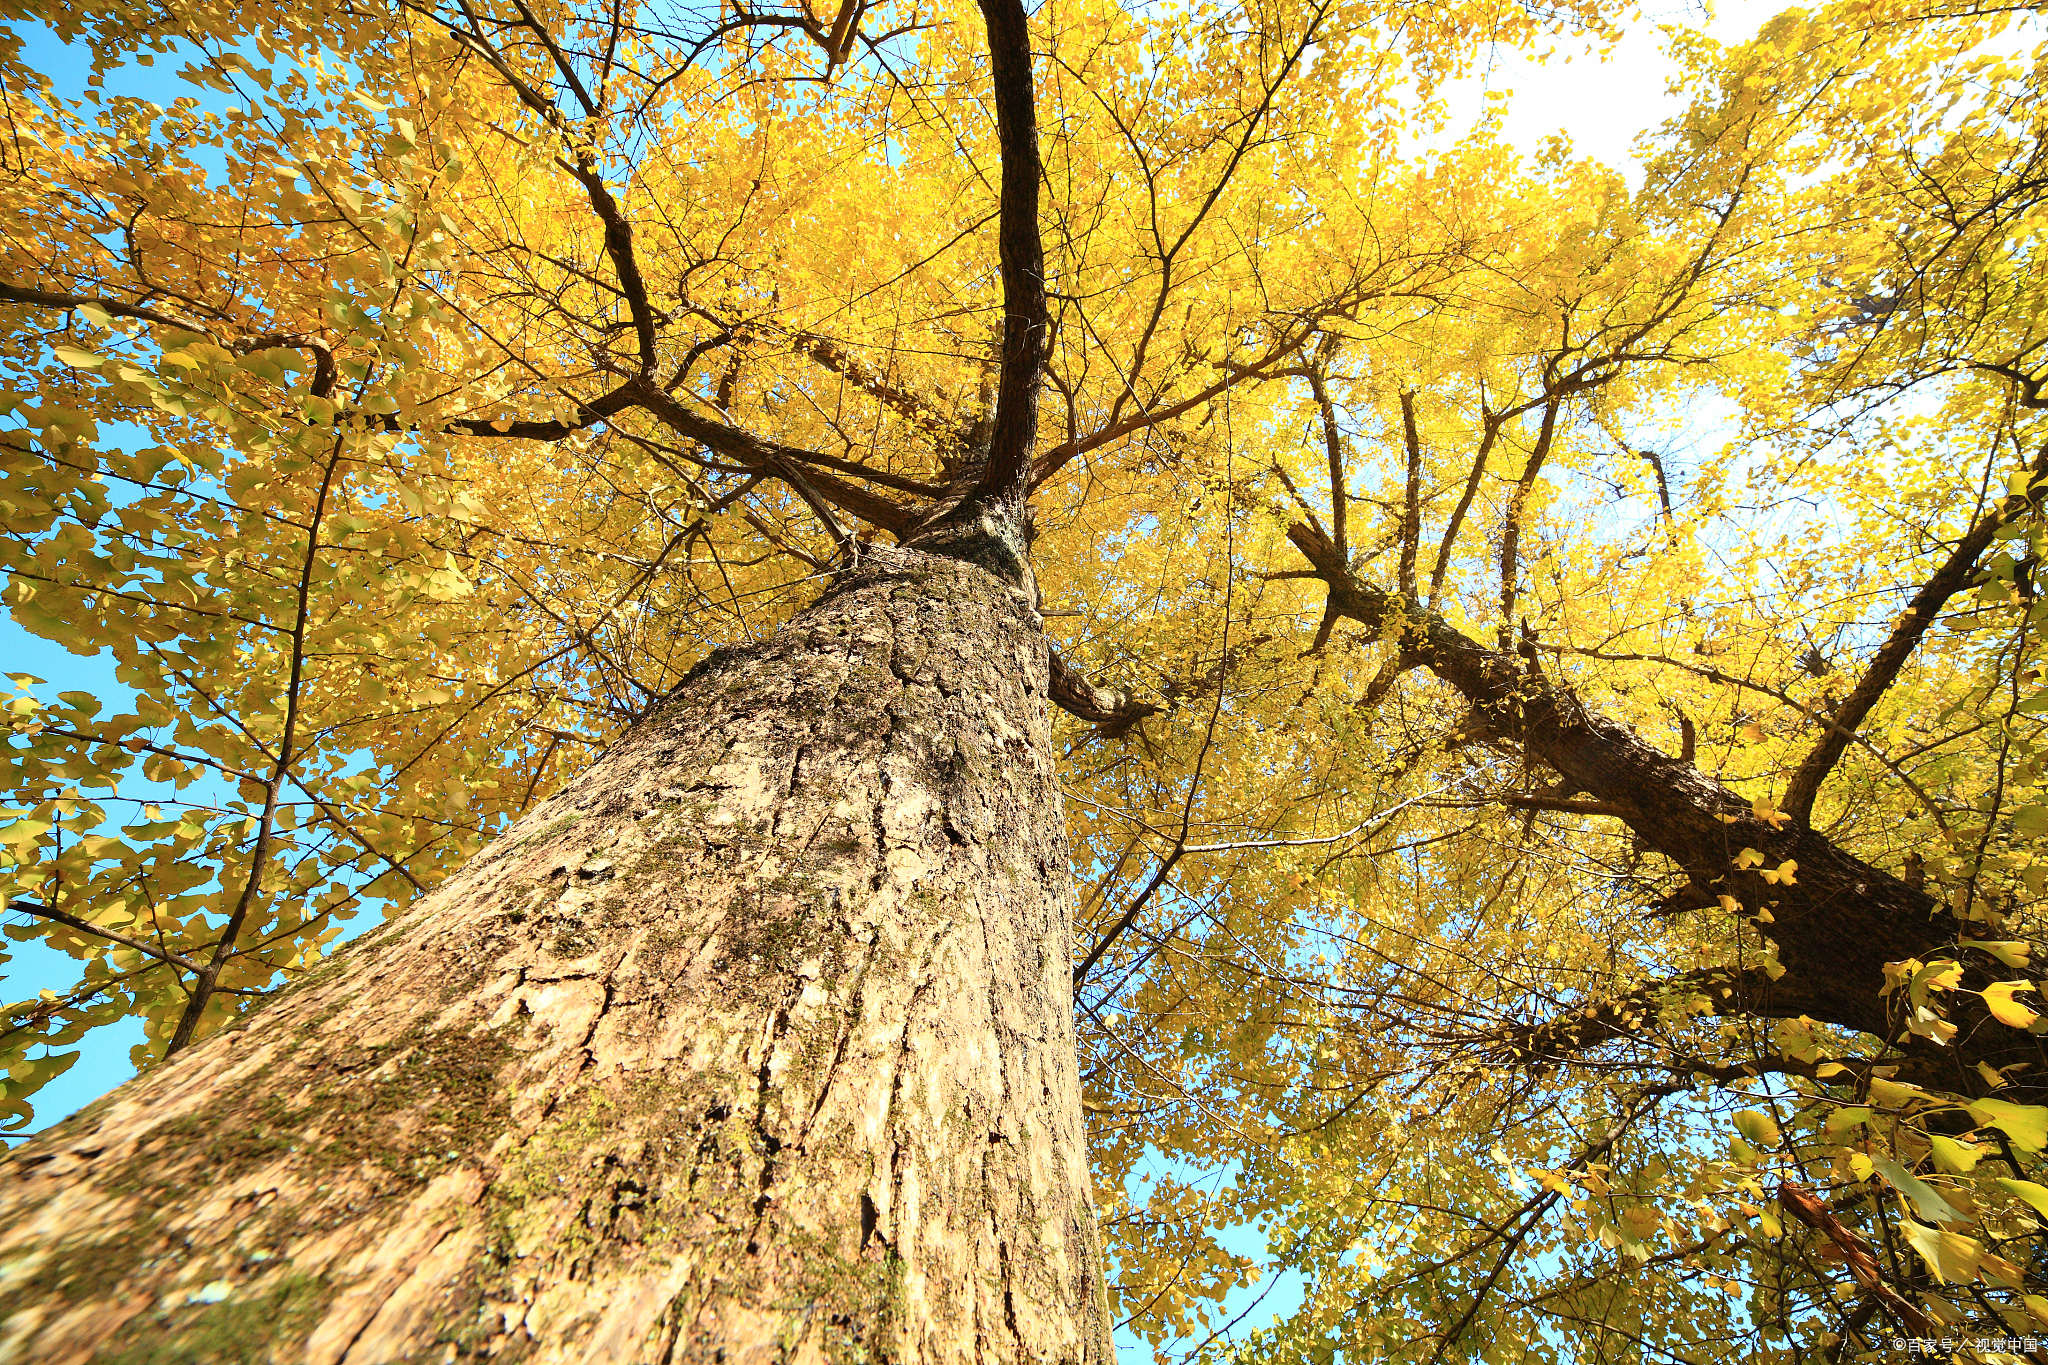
{"x":1894,"y":1094}
{"x":1842,"y":1120}
{"x":2025,"y":1124}
{"x":23,"y":832}
{"x":1926,"y":1199}
{"x":1759,"y":1127}
{"x":77,"y":359}
{"x":27,"y":1076}
{"x":2027,"y":1190}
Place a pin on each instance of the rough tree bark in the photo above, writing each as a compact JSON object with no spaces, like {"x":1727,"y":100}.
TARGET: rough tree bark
{"x":753,"y":1045}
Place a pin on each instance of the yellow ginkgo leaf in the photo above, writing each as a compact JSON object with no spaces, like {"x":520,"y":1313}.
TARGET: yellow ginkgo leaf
{"x":2025,"y":1124}
{"x":1939,"y":975}
{"x":1999,"y":997}
{"x":2009,"y":952}
{"x":1951,"y":1256}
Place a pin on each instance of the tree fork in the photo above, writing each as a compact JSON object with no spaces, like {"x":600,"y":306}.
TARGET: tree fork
{"x":1836,"y":924}
{"x":755,"y":1043}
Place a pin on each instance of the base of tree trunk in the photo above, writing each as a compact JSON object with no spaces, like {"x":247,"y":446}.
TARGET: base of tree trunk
{"x":754,"y":1044}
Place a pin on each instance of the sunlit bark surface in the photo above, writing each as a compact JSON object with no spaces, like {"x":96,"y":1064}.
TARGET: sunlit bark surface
{"x":753,"y":1044}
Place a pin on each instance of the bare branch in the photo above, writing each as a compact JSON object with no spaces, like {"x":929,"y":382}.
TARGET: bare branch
{"x":208,"y":976}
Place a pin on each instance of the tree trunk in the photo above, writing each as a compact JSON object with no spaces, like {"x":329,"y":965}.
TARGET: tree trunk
{"x":754,"y":1044}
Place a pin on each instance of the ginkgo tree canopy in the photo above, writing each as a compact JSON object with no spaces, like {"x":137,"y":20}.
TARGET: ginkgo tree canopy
{"x":1577,"y":895}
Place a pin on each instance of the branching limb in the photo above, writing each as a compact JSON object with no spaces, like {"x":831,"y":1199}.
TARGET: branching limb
{"x":1115,"y":712}
{"x":1836,"y":920}
{"x":911,"y":406}
{"x":2031,"y":387}
{"x":1518,"y":1228}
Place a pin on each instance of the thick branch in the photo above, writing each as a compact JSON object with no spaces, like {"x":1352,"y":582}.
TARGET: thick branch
{"x":1799,"y":1201}
{"x":1027,"y":330}
{"x":322,"y":353}
{"x":1835,"y":923}
{"x":1511,"y":529}
{"x":1557,"y":1041}
{"x":1333,"y":446}
{"x":769,"y":457}
{"x":1566,"y":805}
{"x":1490,"y":432}
{"x":43,"y":298}
{"x":1115,"y":712}
{"x":1411,"y":500}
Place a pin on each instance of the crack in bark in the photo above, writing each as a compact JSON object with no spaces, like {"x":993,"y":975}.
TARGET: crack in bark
{"x":853,"y":1011}
{"x":920,"y":991}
